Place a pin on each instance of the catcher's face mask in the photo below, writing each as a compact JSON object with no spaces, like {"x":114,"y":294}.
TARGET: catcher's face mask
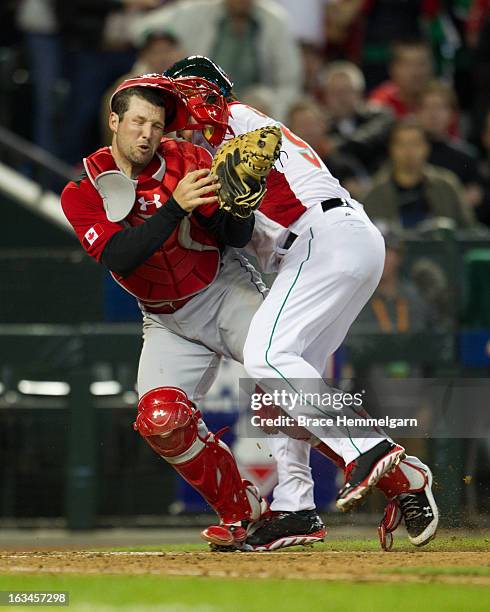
{"x":207,"y":106}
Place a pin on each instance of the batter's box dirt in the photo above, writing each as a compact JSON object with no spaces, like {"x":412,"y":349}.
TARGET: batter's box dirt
{"x":414,"y":566}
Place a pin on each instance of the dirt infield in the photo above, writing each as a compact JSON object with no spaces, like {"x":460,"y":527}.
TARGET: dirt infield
{"x":414,"y":566}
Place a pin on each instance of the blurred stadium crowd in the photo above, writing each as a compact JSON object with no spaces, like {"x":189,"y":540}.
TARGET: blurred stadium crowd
{"x":393,"y":94}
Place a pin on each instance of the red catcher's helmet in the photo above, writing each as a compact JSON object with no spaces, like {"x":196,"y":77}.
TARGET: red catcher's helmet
{"x":176,"y":113}
{"x":207,"y":105}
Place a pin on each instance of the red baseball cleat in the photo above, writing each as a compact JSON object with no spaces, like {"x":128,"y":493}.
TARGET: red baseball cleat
{"x":226,"y":536}
{"x":366,"y":471}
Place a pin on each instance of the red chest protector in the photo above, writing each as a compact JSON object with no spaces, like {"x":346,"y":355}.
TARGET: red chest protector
{"x":189,"y":260}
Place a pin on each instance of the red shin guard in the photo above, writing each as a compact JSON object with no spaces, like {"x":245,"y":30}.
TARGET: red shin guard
{"x":171,"y":425}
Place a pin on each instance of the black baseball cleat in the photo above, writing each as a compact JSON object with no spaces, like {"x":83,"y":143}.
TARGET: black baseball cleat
{"x":283,"y":529}
{"x":366,"y":471}
{"x":420,"y":513}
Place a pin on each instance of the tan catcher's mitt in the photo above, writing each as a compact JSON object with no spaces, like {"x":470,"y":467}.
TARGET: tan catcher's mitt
{"x":242,"y":165}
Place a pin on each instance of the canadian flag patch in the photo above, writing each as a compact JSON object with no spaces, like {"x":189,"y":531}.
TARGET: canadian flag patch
{"x":93,"y":233}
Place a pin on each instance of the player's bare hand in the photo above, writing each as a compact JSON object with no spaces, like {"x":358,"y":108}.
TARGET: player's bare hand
{"x":195,"y":189}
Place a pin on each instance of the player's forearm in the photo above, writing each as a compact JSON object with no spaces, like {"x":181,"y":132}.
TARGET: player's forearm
{"x":131,"y":247}
{"x":229,"y":230}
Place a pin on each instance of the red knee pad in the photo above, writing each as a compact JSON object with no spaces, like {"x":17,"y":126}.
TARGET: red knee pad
{"x":172,"y":426}
{"x":168,"y":421}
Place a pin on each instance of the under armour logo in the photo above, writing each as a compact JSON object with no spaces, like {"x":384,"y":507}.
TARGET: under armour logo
{"x":428,"y":511}
{"x":145,"y":203}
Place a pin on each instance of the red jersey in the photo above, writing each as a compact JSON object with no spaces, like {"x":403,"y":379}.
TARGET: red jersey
{"x":387,"y":95}
{"x":189,"y":259}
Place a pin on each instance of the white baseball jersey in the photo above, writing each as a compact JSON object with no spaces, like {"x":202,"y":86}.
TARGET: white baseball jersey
{"x":298,"y":182}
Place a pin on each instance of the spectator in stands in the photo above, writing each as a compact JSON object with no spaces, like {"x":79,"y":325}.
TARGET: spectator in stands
{"x":438,"y":109}
{"x":432,"y":284}
{"x":306,"y":120}
{"x":313,"y":64}
{"x":307,"y":20}
{"x":478,"y":14}
{"x":250,"y":39}
{"x":350,"y":174}
{"x":483,"y":210}
{"x":96,"y":39}
{"x":159,"y":50}
{"x":410,"y":190}
{"x":396,"y":306}
{"x":354,"y":128}
{"x":410,"y":72}
{"x":37,"y":20}
{"x":363,"y":30}
{"x":259,"y":97}
{"x":308,"y":24}
{"x":481,"y":68}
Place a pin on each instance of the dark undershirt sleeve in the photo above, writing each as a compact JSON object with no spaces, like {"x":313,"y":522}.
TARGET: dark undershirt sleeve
{"x":229,"y":230}
{"x":131,"y":247}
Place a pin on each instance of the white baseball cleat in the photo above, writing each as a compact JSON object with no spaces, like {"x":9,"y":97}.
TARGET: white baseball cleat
{"x":416,"y":506}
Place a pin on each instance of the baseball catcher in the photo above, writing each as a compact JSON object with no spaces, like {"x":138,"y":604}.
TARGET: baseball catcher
{"x":146,"y":209}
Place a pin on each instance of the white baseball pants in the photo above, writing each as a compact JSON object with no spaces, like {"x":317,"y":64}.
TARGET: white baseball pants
{"x":324,"y":281}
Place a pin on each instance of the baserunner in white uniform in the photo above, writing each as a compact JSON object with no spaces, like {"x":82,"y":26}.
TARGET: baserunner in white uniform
{"x":329,"y":259}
